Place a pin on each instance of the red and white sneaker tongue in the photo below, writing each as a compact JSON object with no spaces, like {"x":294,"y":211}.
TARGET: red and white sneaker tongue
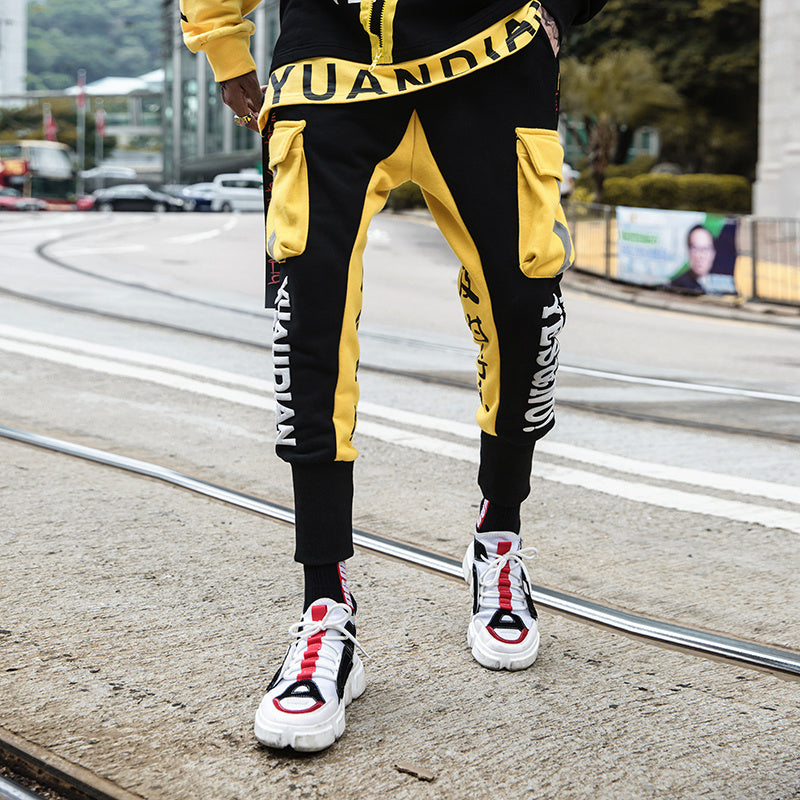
{"x":318,"y":610}
{"x":498,"y":543}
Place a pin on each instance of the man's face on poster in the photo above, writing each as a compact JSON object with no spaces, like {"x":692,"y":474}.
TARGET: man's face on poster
{"x":701,"y":251}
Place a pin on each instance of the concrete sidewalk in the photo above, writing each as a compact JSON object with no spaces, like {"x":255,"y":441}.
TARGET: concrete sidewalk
{"x":141,"y":624}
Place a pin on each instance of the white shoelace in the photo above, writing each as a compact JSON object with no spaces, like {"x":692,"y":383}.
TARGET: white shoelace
{"x":327,"y":665}
{"x":489,"y":580}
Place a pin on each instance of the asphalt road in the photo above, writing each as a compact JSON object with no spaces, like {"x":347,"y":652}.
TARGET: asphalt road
{"x":142,"y":622}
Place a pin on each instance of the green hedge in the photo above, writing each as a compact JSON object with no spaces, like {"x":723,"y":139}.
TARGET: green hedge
{"x":727,"y":194}
{"x":406,"y":195}
{"x":637,"y":166}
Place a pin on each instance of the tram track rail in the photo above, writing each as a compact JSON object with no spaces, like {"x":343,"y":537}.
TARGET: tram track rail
{"x":780,"y":662}
{"x":56,"y":775}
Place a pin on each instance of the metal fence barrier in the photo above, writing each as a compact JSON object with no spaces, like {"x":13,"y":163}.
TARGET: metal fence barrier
{"x":767,"y":266}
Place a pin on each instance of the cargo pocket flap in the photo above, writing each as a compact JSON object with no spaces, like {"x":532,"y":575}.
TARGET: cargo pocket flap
{"x":544,"y":151}
{"x":282,"y":138}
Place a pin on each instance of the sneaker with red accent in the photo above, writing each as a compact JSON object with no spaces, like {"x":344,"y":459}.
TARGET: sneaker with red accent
{"x":321,"y":673}
{"x":503,"y":632}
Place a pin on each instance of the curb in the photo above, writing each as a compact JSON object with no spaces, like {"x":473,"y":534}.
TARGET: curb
{"x":704,"y":305}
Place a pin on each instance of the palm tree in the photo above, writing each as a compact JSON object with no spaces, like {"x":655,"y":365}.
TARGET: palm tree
{"x":614,"y":96}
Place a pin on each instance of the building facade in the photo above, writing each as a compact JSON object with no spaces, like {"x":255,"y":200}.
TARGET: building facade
{"x":13,"y":46}
{"x":777,"y":190}
{"x":200,"y":137}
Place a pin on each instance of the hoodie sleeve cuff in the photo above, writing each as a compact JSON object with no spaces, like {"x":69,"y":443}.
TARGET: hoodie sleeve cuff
{"x":230,"y":55}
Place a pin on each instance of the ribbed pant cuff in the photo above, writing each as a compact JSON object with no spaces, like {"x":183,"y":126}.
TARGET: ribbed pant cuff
{"x":323,"y":502}
{"x":504,"y":475}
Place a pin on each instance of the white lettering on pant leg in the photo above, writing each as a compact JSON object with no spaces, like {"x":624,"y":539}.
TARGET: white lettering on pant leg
{"x":541,"y":400}
{"x":281,"y":351}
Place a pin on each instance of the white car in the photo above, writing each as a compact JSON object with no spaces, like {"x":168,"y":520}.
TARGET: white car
{"x":237,"y":191}
{"x":568,"y":175}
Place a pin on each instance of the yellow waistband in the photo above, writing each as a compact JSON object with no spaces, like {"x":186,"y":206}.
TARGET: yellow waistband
{"x":332,"y":80}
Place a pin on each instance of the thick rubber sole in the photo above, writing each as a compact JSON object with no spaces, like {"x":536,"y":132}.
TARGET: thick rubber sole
{"x":311,"y":738}
{"x":487,"y":656}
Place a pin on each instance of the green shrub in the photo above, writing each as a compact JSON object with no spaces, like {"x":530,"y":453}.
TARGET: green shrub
{"x":658,"y":190}
{"x":622,"y":192}
{"x":406,"y":195}
{"x":726,"y":194}
{"x":582,"y":194}
{"x":637,"y":166}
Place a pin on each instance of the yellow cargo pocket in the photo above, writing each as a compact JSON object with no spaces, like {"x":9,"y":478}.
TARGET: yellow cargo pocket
{"x":287,"y":217}
{"x":545,"y":246}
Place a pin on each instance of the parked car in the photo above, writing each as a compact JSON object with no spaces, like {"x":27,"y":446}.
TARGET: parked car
{"x":568,"y":173}
{"x":85,"y":203}
{"x":12,"y":200}
{"x":238,"y":191}
{"x":201,"y":194}
{"x":135,"y":197}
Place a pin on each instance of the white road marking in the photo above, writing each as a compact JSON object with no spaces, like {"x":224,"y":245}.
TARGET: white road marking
{"x":191,"y":238}
{"x":117,"y":249}
{"x":697,"y":387}
{"x":138,"y":373}
{"x":630,"y":490}
{"x":52,"y":348}
{"x":135,"y":357}
{"x":379,"y":236}
{"x":709,"y":388}
{"x":50,"y":224}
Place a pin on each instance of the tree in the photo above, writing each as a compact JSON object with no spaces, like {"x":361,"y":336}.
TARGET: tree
{"x":104,"y":37}
{"x":708,"y":50}
{"x":614,"y":96}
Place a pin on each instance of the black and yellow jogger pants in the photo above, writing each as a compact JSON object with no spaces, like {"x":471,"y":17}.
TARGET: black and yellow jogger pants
{"x":485,"y":152}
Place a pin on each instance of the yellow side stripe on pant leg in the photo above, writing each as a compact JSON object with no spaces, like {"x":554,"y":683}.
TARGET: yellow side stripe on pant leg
{"x":389,"y":173}
{"x":473,"y":291}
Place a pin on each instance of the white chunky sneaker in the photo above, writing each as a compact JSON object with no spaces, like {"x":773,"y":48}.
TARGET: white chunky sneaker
{"x":321,"y":673}
{"x":503,"y":632}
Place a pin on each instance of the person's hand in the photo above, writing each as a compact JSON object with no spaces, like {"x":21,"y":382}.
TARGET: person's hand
{"x":244,"y":96}
{"x":551,"y":28}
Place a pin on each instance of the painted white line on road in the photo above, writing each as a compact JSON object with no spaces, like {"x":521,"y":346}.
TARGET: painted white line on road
{"x":638,"y":492}
{"x":138,"y":373}
{"x":630,"y":490}
{"x":379,"y":236}
{"x":621,"y":377}
{"x":117,"y":249}
{"x":135,"y":357}
{"x":664,"y":472}
{"x":633,"y":466}
{"x":42,"y":226}
{"x":683,"y":385}
{"x":191,"y":238}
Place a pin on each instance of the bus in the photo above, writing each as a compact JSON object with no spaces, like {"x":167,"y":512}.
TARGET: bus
{"x":38,"y":168}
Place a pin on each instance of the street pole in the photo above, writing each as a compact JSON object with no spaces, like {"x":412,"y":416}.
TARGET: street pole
{"x":99,"y":136}
{"x":81,"y":128}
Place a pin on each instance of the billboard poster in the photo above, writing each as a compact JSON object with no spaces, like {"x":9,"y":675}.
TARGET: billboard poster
{"x":688,"y":251}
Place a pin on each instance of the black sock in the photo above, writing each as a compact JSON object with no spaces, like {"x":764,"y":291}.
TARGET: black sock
{"x":494,"y":517}
{"x":327,"y":580}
